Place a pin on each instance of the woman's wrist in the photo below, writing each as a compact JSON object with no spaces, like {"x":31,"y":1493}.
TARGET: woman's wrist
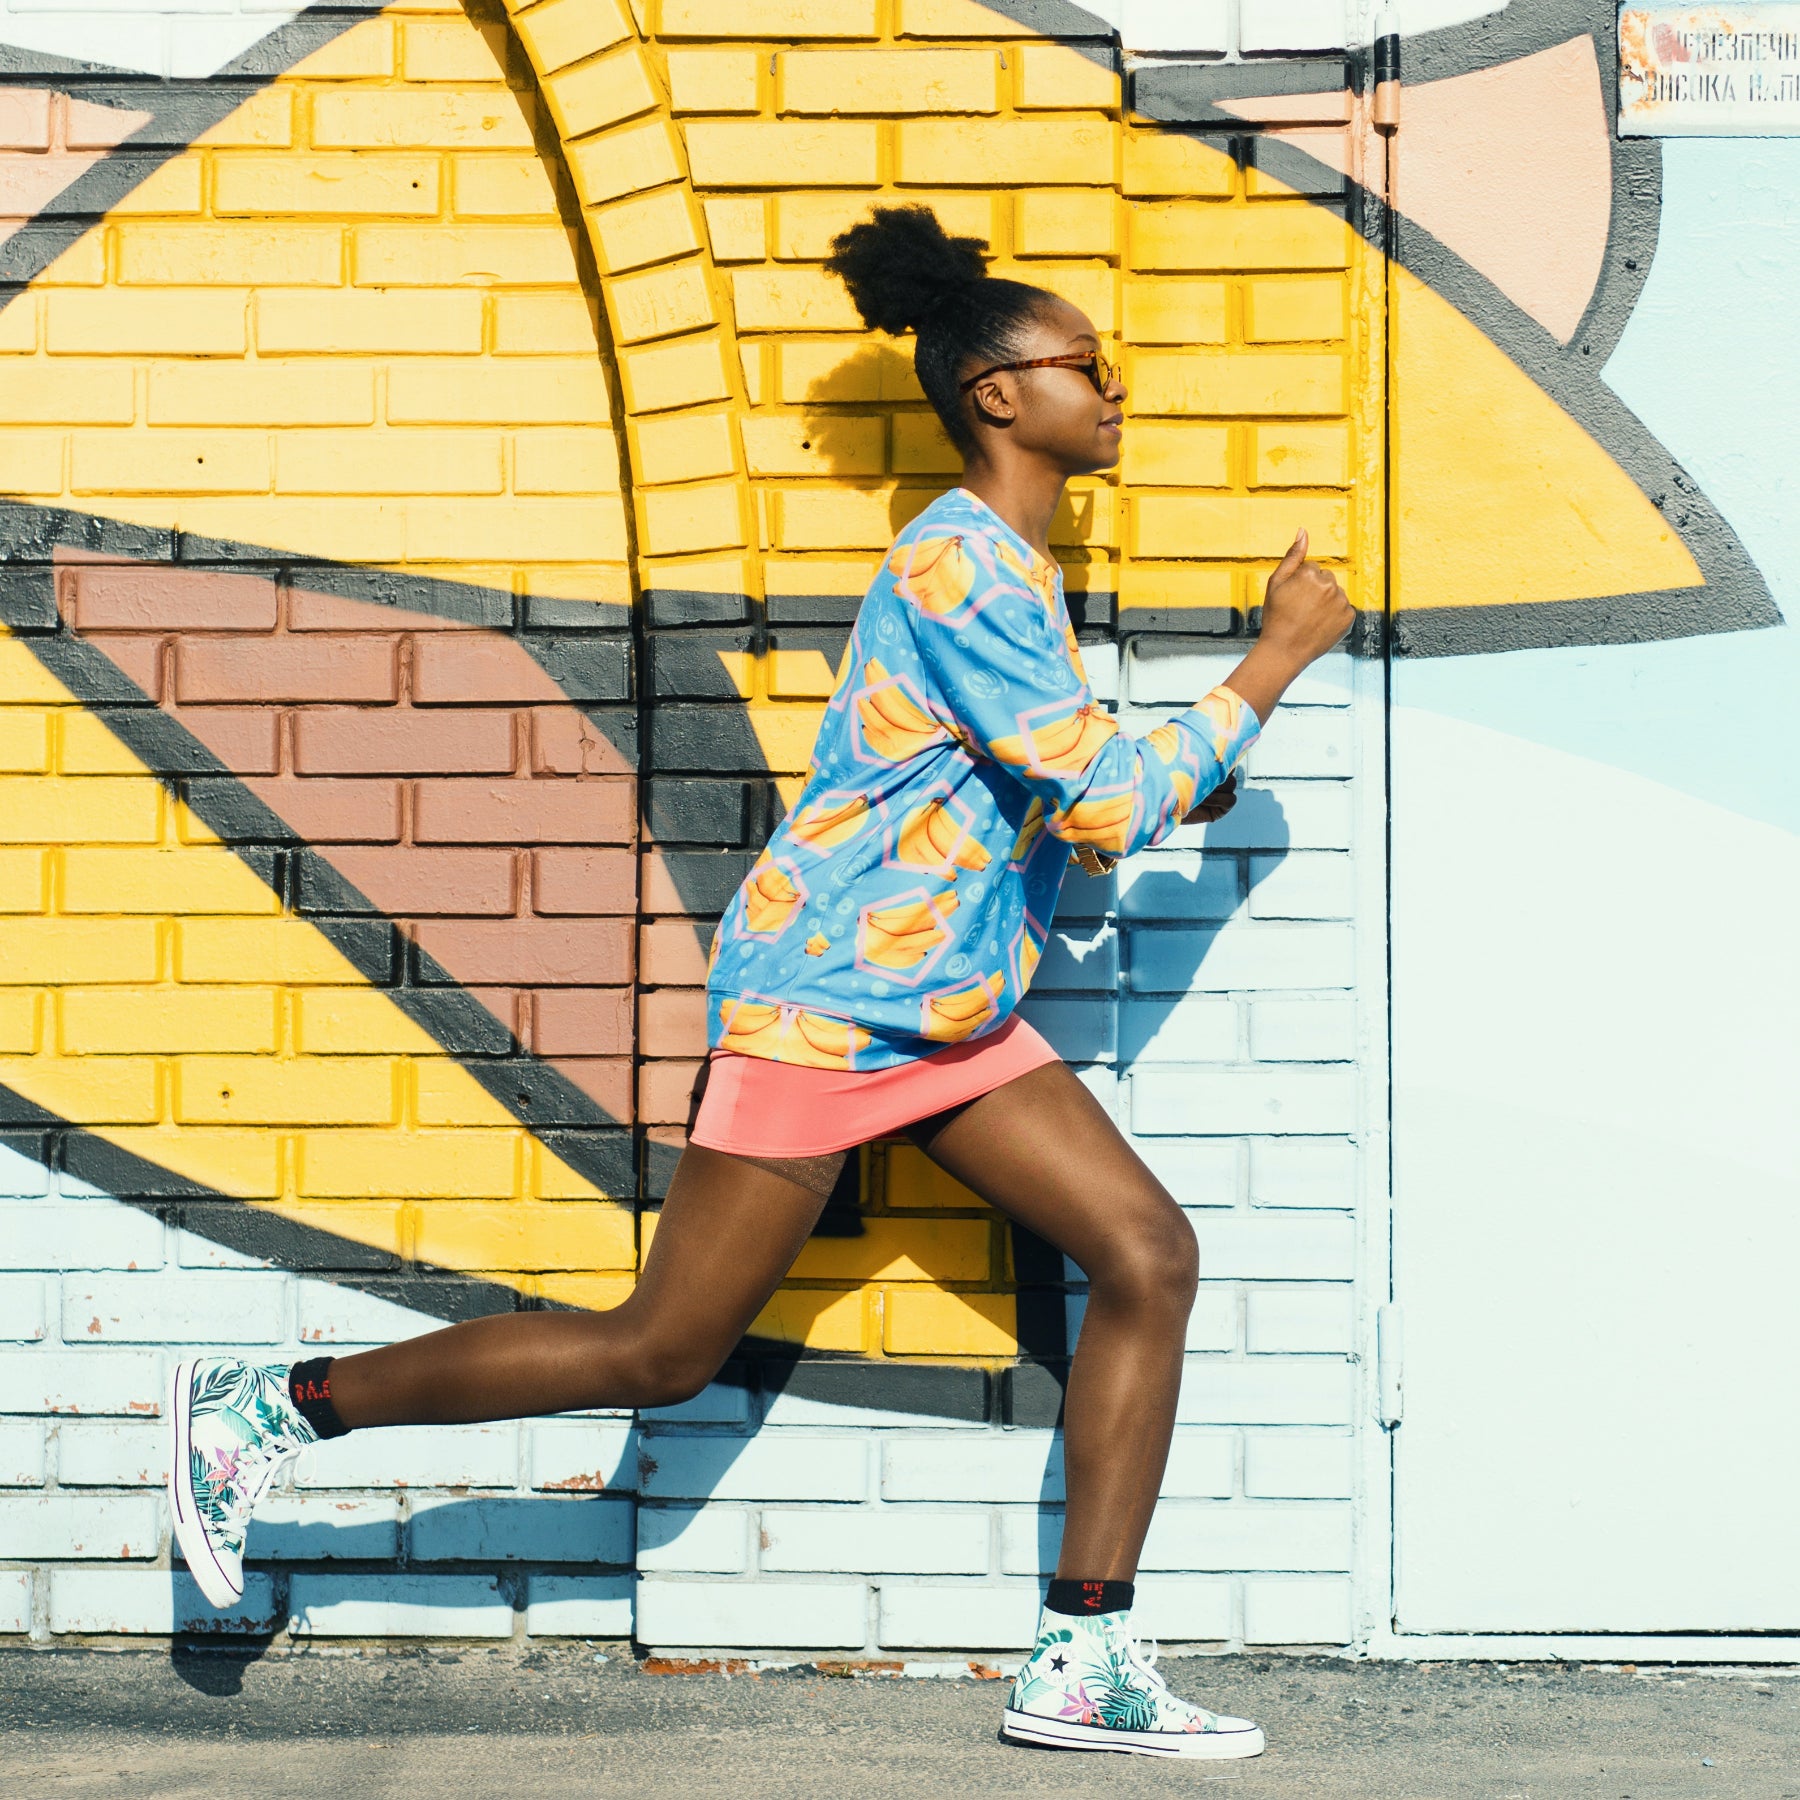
{"x":1263,"y":677}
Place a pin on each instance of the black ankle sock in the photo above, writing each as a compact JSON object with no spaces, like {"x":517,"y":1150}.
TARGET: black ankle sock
{"x":1090,"y":1596}
{"x":309,"y":1387}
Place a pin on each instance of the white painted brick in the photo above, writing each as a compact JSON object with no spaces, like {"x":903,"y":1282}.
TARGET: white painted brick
{"x":1242,"y":955}
{"x":1291,"y":1173}
{"x":189,"y":1250}
{"x":1197,"y":1171}
{"x":449,"y":1606}
{"x":21,"y":1453}
{"x":420,"y":1456}
{"x":693,"y":1540}
{"x":1278,"y":1611}
{"x":1276,"y":1246}
{"x":92,"y":1454}
{"x":1084,"y":960}
{"x":1202,"y":26}
{"x":1202,"y":1466}
{"x":332,"y":1314}
{"x":1211,"y":1325}
{"x":1286,"y":1390}
{"x":86,"y":1381}
{"x":325,"y":1528}
{"x":1243,"y":1535}
{"x":1300,"y":1099}
{"x":1102,"y":1081}
{"x":1177,"y":1609}
{"x":1085,"y":898}
{"x":1275,"y":25}
{"x":789,"y":1467}
{"x":768,"y":1615}
{"x":1168,"y":673}
{"x":1077,"y":1030}
{"x":592,"y":1606}
{"x":959,"y":1615}
{"x":1179,"y":884}
{"x":586,"y":1528}
{"x":998,"y":1466}
{"x":66,"y":1526}
{"x":582,"y":1457}
{"x":87,"y":1234}
{"x":1178,"y":1030}
{"x":1302,"y":1030}
{"x":1309,"y":884}
{"x":1299,"y":1319}
{"x":151,"y":1309}
{"x":15,"y":1600}
{"x":1030,"y":1538}
{"x":1277,"y":815}
{"x":21,"y":1177}
{"x":1304,"y":741}
{"x":876,"y":1541}
{"x":24,"y":1312}
{"x":788,"y":1409}
{"x":1100,"y":663}
{"x":1297,"y":1465}
{"x":718,"y":1403}
{"x":153,"y":1601}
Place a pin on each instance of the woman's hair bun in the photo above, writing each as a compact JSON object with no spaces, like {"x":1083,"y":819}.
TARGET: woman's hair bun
{"x":902,"y":267}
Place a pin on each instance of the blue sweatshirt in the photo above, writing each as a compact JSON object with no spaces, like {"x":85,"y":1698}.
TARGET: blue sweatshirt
{"x":903,"y":903}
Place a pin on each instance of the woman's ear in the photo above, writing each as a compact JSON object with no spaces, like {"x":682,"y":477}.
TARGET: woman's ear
{"x":992,"y":404}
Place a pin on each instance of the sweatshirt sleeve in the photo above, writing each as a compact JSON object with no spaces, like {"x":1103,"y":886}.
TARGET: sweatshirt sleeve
{"x":1003,"y":660}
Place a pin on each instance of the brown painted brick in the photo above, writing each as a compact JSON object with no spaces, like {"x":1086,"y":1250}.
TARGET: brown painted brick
{"x":543,"y":952}
{"x":419,"y":883}
{"x":566,"y":742}
{"x":525,"y":812}
{"x":138,"y":658}
{"x":309,"y":611}
{"x":606,"y":1080}
{"x":576,"y":1021}
{"x":476,"y":667}
{"x":241,"y":737}
{"x":665,"y":1090}
{"x":349,"y":741}
{"x":157,"y":597}
{"x":334,"y":812}
{"x":287,"y":668}
{"x":584,"y":881}
{"x":671,"y":954}
{"x":672,"y":1022}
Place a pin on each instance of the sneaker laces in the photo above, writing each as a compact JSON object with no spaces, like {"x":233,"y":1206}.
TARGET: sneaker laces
{"x":249,"y":1473}
{"x":1141,"y":1655}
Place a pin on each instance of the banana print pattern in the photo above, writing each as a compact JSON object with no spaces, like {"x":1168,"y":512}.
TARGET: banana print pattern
{"x":899,"y":908}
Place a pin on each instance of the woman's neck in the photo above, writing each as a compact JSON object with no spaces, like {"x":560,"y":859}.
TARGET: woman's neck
{"x":1026,"y":497}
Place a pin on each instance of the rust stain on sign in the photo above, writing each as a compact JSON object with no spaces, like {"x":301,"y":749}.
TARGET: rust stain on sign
{"x":1709,"y":71}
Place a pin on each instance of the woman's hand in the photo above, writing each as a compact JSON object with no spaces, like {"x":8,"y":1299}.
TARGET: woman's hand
{"x":1216,"y":804}
{"x":1305,"y":614}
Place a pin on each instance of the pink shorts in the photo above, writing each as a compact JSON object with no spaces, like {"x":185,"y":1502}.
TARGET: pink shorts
{"x":754,"y":1107}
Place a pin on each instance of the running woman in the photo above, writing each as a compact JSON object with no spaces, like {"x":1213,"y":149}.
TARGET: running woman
{"x":864,"y":984}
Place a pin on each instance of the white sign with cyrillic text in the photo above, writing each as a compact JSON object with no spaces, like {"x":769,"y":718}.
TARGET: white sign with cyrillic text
{"x":1709,"y":71}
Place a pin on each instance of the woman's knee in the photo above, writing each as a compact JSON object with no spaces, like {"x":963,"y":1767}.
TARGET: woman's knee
{"x":1153,"y":1262}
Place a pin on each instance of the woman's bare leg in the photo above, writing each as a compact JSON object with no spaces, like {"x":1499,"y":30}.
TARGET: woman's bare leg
{"x":729,"y":1231}
{"x":1043,"y":1151}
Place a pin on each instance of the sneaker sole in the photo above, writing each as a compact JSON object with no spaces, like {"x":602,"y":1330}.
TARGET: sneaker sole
{"x":214,"y":1582}
{"x":1067,"y":1734}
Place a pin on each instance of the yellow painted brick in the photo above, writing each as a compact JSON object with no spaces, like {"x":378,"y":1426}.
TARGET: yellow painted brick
{"x":552,"y":1235}
{"x":681,"y":447}
{"x":1086,"y":515}
{"x":660,"y":303}
{"x":566,"y":462}
{"x":596,"y":94}
{"x":680,"y":520}
{"x":1290,"y":312}
{"x":687,"y":373}
{"x":819,"y":575}
{"x":389,"y":462}
{"x":356,"y":1020}
{"x":24,"y":741}
{"x":1076,"y":149}
{"x":349,"y":183}
{"x":293,"y":321}
{"x":368,"y":531}
{"x":399,"y":256}
{"x":34,"y":951}
{"x":364,"y":50}
{"x":172,"y":188}
{"x":500,"y":187}
{"x":452,"y":50}
{"x":543,"y":325}
{"x":768,"y":18}
{"x":380,"y":1227}
{"x":735,"y":228}
{"x":901,"y":1250}
{"x":753,"y":357}
{"x":240,"y":950}
{"x":487,"y":118}
{"x":544,"y":390}
{"x":652,"y":228}
{"x":420,"y":1165}
{"x":1175,"y":312}
{"x":26,"y":682}
{"x":1067,"y":222}
{"x":786,"y":734}
{"x":592,"y":1293}
{"x":730,"y":154}
{"x":823,"y":444}
{"x":608,"y":583}
{"x":21,"y":881}
{"x":1092,"y":287}
{"x":168,"y":1020}
{"x":1178,"y":524}
{"x":792,"y":300}
{"x":169,"y":462}
{"x":715,"y":81}
{"x":181,"y":881}
{"x":19,"y":324}
{"x":919,"y":1322}
{"x":172,"y":322}
{"x":97,"y":810}
{"x":960,"y":19}
{"x":806,"y":223}
{"x":801,"y":675}
{"x":566,"y":31}
{"x":888,"y":81}
{"x":1169,"y":586}
{"x":19,"y":1014}
{"x":340,"y":392}
{"x":201,"y":255}
{"x":1203,"y":382}
{"x":1058,"y":75}
{"x":625,"y":161}
{"x":709,"y":575}
{"x":263,"y":121}
{"x":922,"y":447}
{"x":1169,"y":162}
{"x":553,"y":1179}
{"x":1301,"y":456}
{"x":469,"y":531}
{"x":108,"y":1090}
{"x":301,"y":1090}
{"x":83,"y":264}
{"x":1176,"y":455}
{"x":837,"y":518}
{"x":833,"y":371}
{"x":820,"y":1318}
{"x":1201,"y":237}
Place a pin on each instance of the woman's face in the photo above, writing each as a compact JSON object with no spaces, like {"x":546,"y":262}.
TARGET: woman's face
{"x":1055,"y":413}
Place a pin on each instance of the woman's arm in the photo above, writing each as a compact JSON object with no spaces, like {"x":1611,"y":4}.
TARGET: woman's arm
{"x":1305,"y":613}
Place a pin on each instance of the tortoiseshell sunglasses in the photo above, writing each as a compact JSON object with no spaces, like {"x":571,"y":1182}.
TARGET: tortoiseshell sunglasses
{"x":1090,"y":362}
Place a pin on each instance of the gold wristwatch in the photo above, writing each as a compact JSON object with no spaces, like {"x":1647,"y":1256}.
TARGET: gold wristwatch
{"x":1092,"y":861}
